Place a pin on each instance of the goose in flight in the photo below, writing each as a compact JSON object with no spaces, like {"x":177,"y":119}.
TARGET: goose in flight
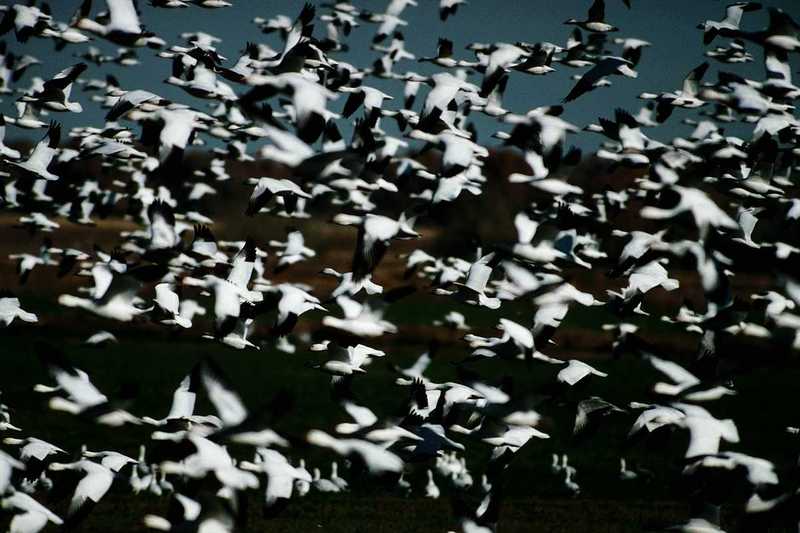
{"x":705,"y":431}
{"x":293,"y":251}
{"x":37,"y":164}
{"x":26,"y":21}
{"x":731,"y":22}
{"x":346,"y":361}
{"x":783,"y":32}
{"x":686,"y":385}
{"x":183,"y":402}
{"x":7,"y":465}
{"x":10,"y":310}
{"x":6,"y":152}
{"x":686,"y":97}
{"x":268,"y":188}
{"x":210,"y":458}
{"x":474,"y":289}
{"x":92,"y":487}
{"x":116,"y":293}
{"x":281,"y":476}
{"x":574,"y":371}
{"x":376,"y":459}
{"x":122,"y":25}
{"x":374,"y":236}
{"x":75,"y":393}
{"x":30,"y":516}
{"x":704,"y":211}
{"x":607,"y":66}
{"x":168,"y":303}
{"x":55,"y":92}
{"x":595,"y":21}
{"x":136,"y":99}
{"x":360,"y":319}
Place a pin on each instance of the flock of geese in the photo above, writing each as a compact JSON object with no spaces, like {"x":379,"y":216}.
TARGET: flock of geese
{"x":711,"y":204}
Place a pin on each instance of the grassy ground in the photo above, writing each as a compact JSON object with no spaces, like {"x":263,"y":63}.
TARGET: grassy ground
{"x":155,"y":362}
{"x":151,"y":361}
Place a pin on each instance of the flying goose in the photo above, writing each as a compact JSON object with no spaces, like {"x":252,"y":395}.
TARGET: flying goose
{"x":595,"y":20}
{"x":686,"y":97}
{"x":293,"y":250}
{"x":687,"y":386}
{"x":122,"y":26}
{"x":55,"y":92}
{"x":733,"y":17}
{"x":75,"y":393}
{"x":605,"y":67}
{"x":117,"y":297}
{"x":39,"y":160}
{"x":375,"y":458}
{"x":92,"y":487}
{"x":281,"y":476}
{"x":10,"y":310}
{"x":30,"y":516}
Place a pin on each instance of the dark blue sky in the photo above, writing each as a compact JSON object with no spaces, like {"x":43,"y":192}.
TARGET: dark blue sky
{"x":669,"y":24}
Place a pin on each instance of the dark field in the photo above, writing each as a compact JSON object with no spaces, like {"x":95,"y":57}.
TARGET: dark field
{"x":151,"y":362}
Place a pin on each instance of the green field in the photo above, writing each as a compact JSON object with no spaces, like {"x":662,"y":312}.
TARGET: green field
{"x":151,"y":361}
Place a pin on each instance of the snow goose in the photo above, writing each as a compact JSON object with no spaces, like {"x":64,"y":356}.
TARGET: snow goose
{"x":183,"y":402}
{"x":5,"y":151}
{"x":112,"y":460}
{"x":431,"y":489}
{"x":686,"y":385}
{"x":26,"y":21}
{"x":268,"y":188}
{"x":374,"y":235}
{"x":624,"y":473}
{"x":605,"y":67}
{"x":704,"y":211}
{"x":280,"y":474}
{"x":35,"y":166}
{"x":36,"y":454}
{"x":294,"y":250}
{"x":30,"y":516}
{"x":706,"y":432}
{"x":168,"y":303}
{"x":360,"y":319}
{"x":474,"y":289}
{"x":92,"y":487}
{"x":686,"y":96}
{"x":366,"y":425}
{"x":574,"y":371}
{"x":135,"y":99}
{"x":733,"y":17}
{"x":7,"y":464}
{"x":320,"y":484}
{"x":346,"y":361}
{"x":375,"y":458}
{"x":537,"y":62}
{"x":293,"y":302}
{"x":335,"y":478}
{"x":75,"y":393}
{"x":11,"y":309}
{"x":638,"y":244}
{"x":116,"y":299}
{"x":208,"y":457}
{"x":595,"y":20}
{"x":122,"y":25}
{"x":55,"y":92}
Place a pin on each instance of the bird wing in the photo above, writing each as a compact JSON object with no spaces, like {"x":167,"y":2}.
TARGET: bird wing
{"x":226,"y":400}
{"x":673,"y":370}
{"x":597,"y":13}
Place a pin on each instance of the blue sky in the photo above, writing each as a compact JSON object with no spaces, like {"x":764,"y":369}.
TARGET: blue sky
{"x":669,"y":24}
